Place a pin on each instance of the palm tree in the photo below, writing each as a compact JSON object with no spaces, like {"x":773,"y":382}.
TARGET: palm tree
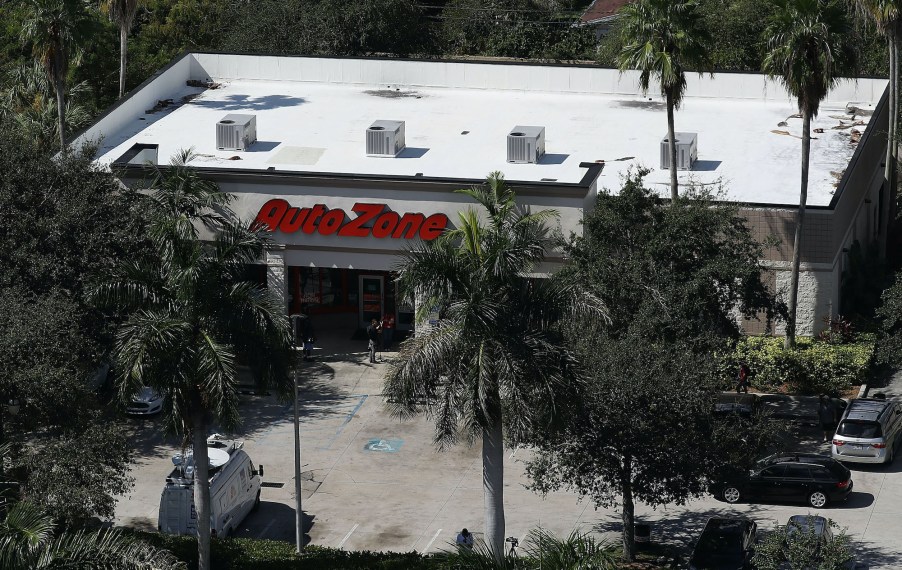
{"x":664,"y":39}
{"x":122,"y":13}
{"x":806,"y":51}
{"x":494,"y":364}
{"x":28,"y":542}
{"x":55,"y":29}
{"x":29,"y":101}
{"x":194,"y":313}
{"x":887,"y":15}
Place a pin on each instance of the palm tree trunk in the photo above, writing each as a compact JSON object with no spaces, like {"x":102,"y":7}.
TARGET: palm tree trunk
{"x":123,"y":50}
{"x":59,"y":86}
{"x":894,"y":131}
{"x":493,"y":487}
{"x":671,"y":137}
{"x":201,"y":488}
{"x":889,"y":163}
{"x":629,"y":532}
{"x":800,"y":219}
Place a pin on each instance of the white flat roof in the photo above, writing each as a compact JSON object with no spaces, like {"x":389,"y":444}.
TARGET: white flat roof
{"x":316,"y":122}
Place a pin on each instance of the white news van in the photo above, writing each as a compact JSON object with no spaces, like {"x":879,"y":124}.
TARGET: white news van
{"x":234,"y":490}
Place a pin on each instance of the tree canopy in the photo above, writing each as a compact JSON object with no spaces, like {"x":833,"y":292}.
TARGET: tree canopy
{"x":63,"y":225}
{"x":673,"y":278}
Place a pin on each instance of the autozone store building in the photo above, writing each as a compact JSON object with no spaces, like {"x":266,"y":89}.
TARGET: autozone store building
{"x":347,"y":160}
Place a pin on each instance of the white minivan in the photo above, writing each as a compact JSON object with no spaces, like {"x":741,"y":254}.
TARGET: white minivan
{"x":870,"y":431}
{"x":234,"y":490}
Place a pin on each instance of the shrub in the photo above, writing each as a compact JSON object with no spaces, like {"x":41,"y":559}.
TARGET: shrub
{"x":258,"y":554}
{"x":813,"y":367}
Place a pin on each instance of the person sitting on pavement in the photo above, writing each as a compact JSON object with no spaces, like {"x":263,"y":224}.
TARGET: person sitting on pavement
{"x":465,"y":539}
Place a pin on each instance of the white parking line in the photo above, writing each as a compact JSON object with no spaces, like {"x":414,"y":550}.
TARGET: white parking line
{"x":426,"y":549}
{"x":347,"y":536}
{"x":266,"y":528}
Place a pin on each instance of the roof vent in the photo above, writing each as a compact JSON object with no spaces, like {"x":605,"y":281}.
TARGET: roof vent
{"x":385,"y":138}
{"x":686,"y":151}
{"x":236,"y":132}
{"x":525,"y":144}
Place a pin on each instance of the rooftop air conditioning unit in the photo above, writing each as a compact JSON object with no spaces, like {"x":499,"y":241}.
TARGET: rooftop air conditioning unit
{"x":385,"y":138}
{"x":236,"y":132}
{"x":686,"y":151}
{"x":525,"y":144}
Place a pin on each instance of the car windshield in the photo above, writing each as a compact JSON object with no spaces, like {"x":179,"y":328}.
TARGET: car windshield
{"x":860,"y":429}
{"x":719,"y":544}
{"x":801,"y":523}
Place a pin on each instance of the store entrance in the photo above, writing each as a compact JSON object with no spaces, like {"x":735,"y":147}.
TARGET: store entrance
{"x":346,"y":298}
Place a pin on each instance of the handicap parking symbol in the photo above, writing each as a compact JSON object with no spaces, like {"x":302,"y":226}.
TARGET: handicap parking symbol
{"x":383,"y":445}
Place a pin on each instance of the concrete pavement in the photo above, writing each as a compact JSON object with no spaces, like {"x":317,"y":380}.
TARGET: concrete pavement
{"x":371,"y":481}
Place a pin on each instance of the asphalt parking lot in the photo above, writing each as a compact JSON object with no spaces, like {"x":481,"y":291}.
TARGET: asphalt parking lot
{"x":373,"y":482}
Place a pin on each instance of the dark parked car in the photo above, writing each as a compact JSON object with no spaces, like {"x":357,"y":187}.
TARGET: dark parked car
{"x":725,"y":544}
{"x":815,"y":479}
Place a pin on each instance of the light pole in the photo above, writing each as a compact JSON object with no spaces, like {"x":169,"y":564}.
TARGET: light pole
{"x":298,"y":513}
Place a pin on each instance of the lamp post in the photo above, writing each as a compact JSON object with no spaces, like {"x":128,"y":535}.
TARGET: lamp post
{"x":298,"y":513}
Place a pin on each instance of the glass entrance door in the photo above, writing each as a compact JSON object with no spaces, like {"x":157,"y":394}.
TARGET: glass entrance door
{"x":372,"y":298}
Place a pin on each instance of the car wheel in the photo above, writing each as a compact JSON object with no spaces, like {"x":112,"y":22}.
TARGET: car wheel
{"x":257,"y":502}
{"x":889,"y":456}
{"x":731,"y":495}
{"x":817,"y":499}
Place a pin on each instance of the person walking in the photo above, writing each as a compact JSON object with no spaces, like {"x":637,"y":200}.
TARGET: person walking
{"x":826,"y":414}
{"x":742,"y":379}
{"x":465,"y":539}
{"x":372,"y":334}
{"x":388,"y":329}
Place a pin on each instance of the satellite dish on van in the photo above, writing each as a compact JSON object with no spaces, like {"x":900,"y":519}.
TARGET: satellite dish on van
{"x":218,"y":457}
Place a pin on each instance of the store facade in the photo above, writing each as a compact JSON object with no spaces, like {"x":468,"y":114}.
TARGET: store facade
{"x":348,"y":161}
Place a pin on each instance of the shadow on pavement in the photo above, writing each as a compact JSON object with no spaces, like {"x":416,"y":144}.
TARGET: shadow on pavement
{"x":274,"y":521}
{"x":681,"y":530}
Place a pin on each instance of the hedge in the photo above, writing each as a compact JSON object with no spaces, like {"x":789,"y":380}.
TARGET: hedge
{"x":259,"y":554}
{"x":813,"y":367}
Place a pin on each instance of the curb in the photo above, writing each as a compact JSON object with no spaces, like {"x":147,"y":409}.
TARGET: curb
{"x":863,"y":391}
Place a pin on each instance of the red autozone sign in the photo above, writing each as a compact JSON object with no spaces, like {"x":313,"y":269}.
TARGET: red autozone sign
{"x":371,"y":220}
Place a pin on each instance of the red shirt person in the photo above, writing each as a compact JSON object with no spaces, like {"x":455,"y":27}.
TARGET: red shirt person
{"x":388,"y":330}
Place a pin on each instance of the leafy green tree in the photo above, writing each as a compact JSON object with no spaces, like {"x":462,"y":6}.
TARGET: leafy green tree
{"x":331,"y":27}
{"x":55,"y":29}
{"x":671,"y":274}
{"x":808,"y":52}
{"x":800,"y":547}
{"x":672,"y":279}
{"x":63,"y":226}
{"x":29,"y":540}
{"x":514,"y":28}
{"x":193,"y":313}
{"x":889,"y":313}
{"x":122,"y":13}
{"x":494,"y":365}
{"x":663,"y":39}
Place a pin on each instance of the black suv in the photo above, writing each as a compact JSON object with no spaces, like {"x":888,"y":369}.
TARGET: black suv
{"x":816,"y":479}
{"x":725,"y":544}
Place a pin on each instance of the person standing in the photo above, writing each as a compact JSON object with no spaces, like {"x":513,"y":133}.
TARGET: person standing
{"x":465,"y":539}
{"x":388,"y":329}
{"x":308,"y":336}
{"x":826,"y":414}
{"x":372,"y":333}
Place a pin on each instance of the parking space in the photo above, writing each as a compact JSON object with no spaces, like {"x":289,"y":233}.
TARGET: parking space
{"x":372,"y":482}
